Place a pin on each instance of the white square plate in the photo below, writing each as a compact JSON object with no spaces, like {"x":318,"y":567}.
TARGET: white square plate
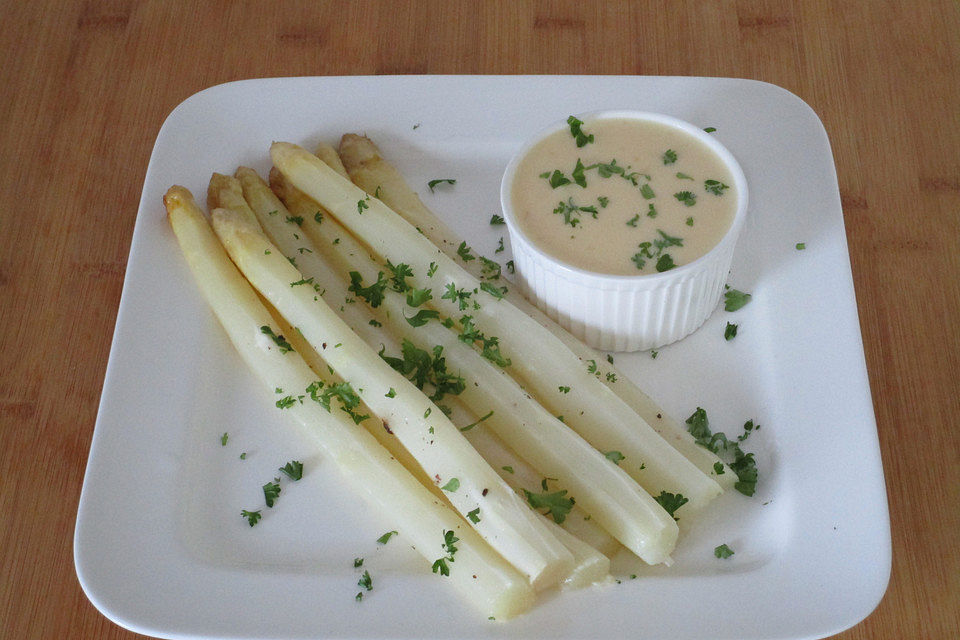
{"x":160,"y":546}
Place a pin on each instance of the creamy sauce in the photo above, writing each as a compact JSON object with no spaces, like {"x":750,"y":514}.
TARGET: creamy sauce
{"x":650,"y":210}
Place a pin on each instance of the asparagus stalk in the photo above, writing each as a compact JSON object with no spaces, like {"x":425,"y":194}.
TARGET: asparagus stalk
{"x":604,"y":490}
{"x":540,"y":360}
{"x":507,"y":523}
{"x":482,"y":576}
{"x":370,"y":171}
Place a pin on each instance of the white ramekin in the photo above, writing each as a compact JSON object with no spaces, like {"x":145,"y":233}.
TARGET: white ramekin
{"x":625,"y":313}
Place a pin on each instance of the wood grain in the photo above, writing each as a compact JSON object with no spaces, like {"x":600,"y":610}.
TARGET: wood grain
{"x":86,"y":87}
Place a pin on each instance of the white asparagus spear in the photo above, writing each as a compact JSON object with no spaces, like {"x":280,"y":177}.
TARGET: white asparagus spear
{"x":507,"y":524}
{"x":604,"y":490}
{"x":539,"y":359}
{"x":493,"y":450}
{"x":367,"y":168}
{"x":483,"y":577}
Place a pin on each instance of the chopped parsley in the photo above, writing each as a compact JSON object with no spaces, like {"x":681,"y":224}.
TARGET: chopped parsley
{"x":253,"y":517}
{"x":671,"y":502}
{"x":495,"y":219}
{"x":474,"y":516}
{"x":374,"y":293}
{"x":422,"y":317}
{"x":614,"y":456}
{"x":374,"y":323}
{"x":683,"y":176}
{"x":665,"y":263}
{"x":398,"y":276}
{"x":298,"y":220}
{"x":556,"y":179}
{"x":801,"y":246}
{"x":460,"y":296}
{"x":223,"y":439}
{"x":496,"y":292}
{"x":432,"y":269}
{"x":385,"y":538}
{"x":688,"y":198}
{"x":366,"y":581}
{"x":490,"y":347}
{"x":440,"y":565}
{"x":718,"y":468}
{"x":576,"y":131}
{"x":563,"y":389}
{"x":426,"y":369}
{"x":473,"y":424}
{"x":277,"y":339}
{"x":302,"y":281}
{"x":571,"y":211}
{"x":669,"y":156}
{"x":510,"y":266}
{"x":715,"y":187}
{"x":743,"y":464}
{"x":689,"y":221}
{"x":362,"y":204}
{"x":286,"y":402}
{"x":632,"y":222}
{"x":734,"y":299}
{"x":293,"y":469}
{"x":558,"y":506}
{"x":709,"y":129}
{"x":577,"y":174}
{"x":654,"y":250}
{"x":433,"y":183}
{"x":723,"y":551}
{"x":464,"y":252}
{"x":647,"y":191}
{"x":271,"y":491}
{"x":730,"y":332}
{"x":343,"y":391}
{"x":489,"y":269}
{"x":318,"y":217}
{"x":508,"y":469}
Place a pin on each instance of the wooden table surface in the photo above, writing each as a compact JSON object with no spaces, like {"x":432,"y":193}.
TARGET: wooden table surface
{"x":86,"y":86}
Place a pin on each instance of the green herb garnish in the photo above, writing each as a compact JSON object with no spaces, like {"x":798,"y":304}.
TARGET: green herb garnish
{"x":271,"y":491}
{"x":253,"y":517}
{"x":614,"y":456}
{"x":723,"y":551}
{"x":374,"y":293}
{"x":669,"y":156}
{"x":734,"y":299}
{"x":293,"y":469}
{"x":277,"y":339}
{"x":436,"y":181}
{"x":473,"y":424}
{"x":576,"y":131}
{"x":715,"y":187}
{"x":385,"y":538}
{"x":730,"y":332}
{"x":671,"y":502}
